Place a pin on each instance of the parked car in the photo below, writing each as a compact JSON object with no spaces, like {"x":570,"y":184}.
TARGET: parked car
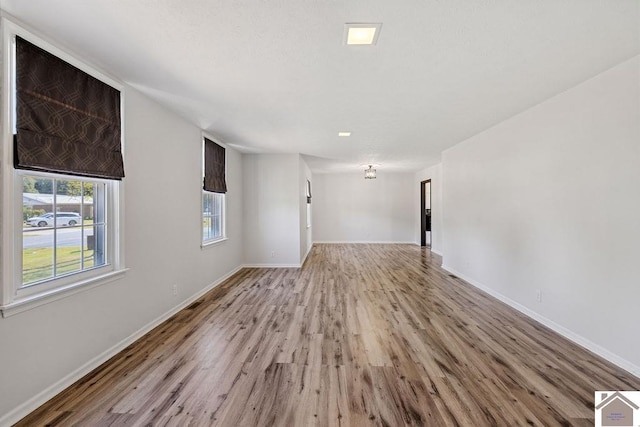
{"x":62,"y":219}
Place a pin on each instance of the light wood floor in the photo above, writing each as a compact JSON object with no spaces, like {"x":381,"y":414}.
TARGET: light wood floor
{"x":361,"y":335}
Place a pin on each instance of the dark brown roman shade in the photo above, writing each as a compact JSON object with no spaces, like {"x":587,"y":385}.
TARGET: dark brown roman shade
{"x":67,"y":121}
{"x":214,"y":167}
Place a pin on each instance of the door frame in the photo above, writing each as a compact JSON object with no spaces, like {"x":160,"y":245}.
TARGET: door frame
{"x":423,"y":213}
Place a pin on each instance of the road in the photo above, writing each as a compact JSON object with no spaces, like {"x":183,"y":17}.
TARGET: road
{"x":42,"y":238}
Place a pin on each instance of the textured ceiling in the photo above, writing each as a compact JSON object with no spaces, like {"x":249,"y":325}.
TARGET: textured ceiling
{"x":276,"y":76}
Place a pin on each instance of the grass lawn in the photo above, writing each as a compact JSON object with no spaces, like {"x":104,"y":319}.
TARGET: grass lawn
{"x":37,"y":263}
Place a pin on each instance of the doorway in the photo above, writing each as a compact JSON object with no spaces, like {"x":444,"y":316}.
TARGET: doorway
{"x":425,"y":213}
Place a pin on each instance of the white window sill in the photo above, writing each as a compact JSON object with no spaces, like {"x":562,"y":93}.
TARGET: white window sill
{"x":210,"y":243}
{"x":32,"y":301}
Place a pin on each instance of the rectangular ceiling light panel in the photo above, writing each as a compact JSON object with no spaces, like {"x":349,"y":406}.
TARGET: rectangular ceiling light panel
{"x":362,"y":34}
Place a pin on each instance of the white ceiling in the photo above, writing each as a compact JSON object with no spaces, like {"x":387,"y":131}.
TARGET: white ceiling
{"x":276,"y":76}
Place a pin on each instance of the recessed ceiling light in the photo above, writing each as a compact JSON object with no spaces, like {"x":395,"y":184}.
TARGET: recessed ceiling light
{"x":362,"y":34}
{"x":344,"y":133}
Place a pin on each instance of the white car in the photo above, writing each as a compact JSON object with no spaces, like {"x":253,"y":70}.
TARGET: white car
{"x":62,"y":219}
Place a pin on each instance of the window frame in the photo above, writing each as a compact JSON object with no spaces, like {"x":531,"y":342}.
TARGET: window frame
{"x":223,"y":226}
{"x":13,"y":298}
{"x":47,"y":285}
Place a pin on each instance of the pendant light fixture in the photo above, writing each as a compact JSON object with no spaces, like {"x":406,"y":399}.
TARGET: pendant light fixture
{"x":370,"y":173}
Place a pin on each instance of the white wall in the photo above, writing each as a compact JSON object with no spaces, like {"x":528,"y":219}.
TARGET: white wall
{"x":272,"y":209}
{"x":433,"y":173}
{"x":306,"y":238}
{"x":349,"y":208}
{"x":550,"y":200}
{"x":162,"y":224}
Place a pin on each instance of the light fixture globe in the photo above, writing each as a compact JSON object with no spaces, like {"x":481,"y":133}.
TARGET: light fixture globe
{"x":370,"y":173}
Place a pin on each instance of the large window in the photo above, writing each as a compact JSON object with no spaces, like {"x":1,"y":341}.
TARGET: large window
{"x":64,"y":227}
{"x":214,"y":190}
{"x":61,"y":199}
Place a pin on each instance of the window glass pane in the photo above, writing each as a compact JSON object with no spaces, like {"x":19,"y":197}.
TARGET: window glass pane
{"x":95,"y":246}
{"x":68,"y":205}
{"x":216,"y":217}
{"x":89,"y":189}
{"x":68,"y":250}
{"x":37,"y":233}
{"x":37,"y":255}
{"x":37,"y":202}
{"x":98,"y":201}
{"x":207,"y":206}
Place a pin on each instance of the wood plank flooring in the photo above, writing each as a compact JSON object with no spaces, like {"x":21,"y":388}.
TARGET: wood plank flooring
{"x":361,"y":335}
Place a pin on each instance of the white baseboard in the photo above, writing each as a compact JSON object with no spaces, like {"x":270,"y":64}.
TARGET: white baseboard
{"x":271,"y":265}
{"x":362,"y":242}
{"x":359,"y":242}
{"x":435,"y":251}
{"x":268,"y":265}
{"x":570,"y":335}
{"x":38,"y":400}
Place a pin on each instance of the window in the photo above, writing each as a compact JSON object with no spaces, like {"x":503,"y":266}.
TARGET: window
{"x":213,"y":192}
{"x":61,"y":199}
{"x":212,"y":213}
{"x":64,"y":227}
{"x":308,"y":204}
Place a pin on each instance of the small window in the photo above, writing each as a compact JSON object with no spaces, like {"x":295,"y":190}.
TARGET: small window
{"x":213,"y":192}
{"x":308,"y":194}
{"x":212,"y":216}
